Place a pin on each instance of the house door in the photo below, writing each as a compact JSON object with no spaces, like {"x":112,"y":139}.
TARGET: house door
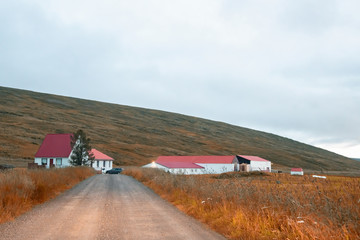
{"x":51,"y":162}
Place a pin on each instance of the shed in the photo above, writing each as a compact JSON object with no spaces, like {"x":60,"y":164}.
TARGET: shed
{"x":297,"y":171}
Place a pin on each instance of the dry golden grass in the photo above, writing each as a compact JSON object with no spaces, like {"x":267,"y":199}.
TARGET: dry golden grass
{"x":272,"y":206}
{"x":137,"y":136}
{"x":21,"y":189}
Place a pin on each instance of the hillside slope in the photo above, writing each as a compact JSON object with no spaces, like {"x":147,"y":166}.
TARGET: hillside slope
{"x":136,"y":136}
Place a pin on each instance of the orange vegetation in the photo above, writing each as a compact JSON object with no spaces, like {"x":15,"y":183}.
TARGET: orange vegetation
{"x":264,"y":206}
{"x":20,"y":189}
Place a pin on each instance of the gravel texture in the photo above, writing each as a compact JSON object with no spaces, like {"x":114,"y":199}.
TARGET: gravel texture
{"x":106,"y":207}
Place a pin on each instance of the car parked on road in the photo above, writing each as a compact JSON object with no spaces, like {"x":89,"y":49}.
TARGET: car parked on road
{"x":114,"y":171}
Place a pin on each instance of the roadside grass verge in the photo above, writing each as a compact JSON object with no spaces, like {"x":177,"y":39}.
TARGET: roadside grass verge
{"x":21,"y":189}
{"x":269,"y":206}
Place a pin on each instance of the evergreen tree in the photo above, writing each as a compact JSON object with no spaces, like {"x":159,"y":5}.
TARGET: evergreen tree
{"x":81,"y":148}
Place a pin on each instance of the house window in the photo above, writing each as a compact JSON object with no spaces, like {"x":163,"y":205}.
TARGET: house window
{"x":97,"y":163}
{"x":104,"y":163}
{"x":58,"y":161}
{"x":43,"y":161}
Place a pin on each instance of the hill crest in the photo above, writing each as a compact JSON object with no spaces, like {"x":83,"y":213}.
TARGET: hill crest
{"x":136,"y":136}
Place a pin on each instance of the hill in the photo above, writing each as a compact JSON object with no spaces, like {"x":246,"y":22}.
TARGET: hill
{"x":136,"y":136}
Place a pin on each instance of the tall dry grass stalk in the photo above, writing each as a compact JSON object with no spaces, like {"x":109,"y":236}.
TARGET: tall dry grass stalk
{"x":20,"y":189}
{"x":272,"y":206}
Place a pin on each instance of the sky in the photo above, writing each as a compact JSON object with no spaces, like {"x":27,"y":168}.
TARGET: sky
{"x":291,"y":68}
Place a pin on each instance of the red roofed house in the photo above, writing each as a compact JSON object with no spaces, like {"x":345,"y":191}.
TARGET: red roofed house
{"x":55,"y":151}
{"x":205,"y":164}
{"x":297,"y":171}
{"x":101,"y":161}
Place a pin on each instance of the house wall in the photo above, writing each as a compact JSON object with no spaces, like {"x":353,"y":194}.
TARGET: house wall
{"x":64,"y":162}
{"x":99,"y":165}
{"x":296,"y":173}
{"x":216,"y":168}
{"x":260,"y":166}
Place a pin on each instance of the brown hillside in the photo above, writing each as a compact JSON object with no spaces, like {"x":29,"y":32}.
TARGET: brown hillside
{"x":136,"y":136}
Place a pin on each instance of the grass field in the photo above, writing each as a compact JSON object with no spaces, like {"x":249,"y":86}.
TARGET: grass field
{"x":264,"y":206}
{"x":21,"y":189}
{"x":136,"y":136}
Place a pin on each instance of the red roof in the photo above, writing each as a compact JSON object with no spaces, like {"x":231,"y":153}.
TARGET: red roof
{"x":100,"y":156}
{"x":195,"y":159}
{"x":296,"y":169}
{"x":55,"y":145}
{"x":180,"y":165}
{"x":254,"y":158}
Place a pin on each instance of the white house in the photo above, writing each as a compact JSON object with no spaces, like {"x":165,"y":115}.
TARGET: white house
{"x":101,"y":161}
{"x":55,"y":151}
{"x":297,"y":171}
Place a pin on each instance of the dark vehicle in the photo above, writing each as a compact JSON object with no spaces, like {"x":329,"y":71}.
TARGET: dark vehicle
{"x":114,"y":171}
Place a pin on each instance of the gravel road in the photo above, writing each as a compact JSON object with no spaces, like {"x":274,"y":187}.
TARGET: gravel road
{"x":106,"y":207}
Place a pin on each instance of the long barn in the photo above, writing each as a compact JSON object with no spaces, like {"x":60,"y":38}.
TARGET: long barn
{"x":210,"y":164}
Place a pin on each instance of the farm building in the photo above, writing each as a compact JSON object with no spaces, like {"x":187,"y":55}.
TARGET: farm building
{"x":297,"y":171}
{"x":208,"y":164}
{"x":55,"y":151}
{"x":254,"y":163}
{"x":101,"y":161}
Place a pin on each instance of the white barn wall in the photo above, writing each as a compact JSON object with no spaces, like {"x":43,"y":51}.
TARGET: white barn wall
{"x":260,"y":166}
{"x":108,"y":165}
{"x":187,"y":171}
{"x":297,"y":173}
{"x":216,"y":168}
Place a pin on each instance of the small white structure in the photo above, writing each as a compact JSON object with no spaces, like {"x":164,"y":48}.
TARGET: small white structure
{"x":297,"y":171}
{"x":102,"y":162}
{"x":208,"y":164}
{"x":55,"y":151}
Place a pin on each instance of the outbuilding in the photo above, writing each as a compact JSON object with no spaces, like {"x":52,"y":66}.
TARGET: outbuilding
{"x":101,"y":161}
{"x":297,"y":171}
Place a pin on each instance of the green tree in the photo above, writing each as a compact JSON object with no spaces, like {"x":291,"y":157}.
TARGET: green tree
{"x":81,"y":155}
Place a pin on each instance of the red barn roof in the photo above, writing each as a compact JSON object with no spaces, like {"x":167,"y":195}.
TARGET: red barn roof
{"x":254,"y":158}
{"x":196,"y":159}
{"x":100,"y":156}
{"x":180,"y":165}
{"x":55,"y":145}
{"x":296,"y":169}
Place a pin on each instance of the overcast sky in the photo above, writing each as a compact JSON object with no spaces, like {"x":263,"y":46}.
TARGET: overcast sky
{"x":286,"y":67}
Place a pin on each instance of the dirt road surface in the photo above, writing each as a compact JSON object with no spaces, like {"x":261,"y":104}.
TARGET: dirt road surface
{"x":106,"y":207}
